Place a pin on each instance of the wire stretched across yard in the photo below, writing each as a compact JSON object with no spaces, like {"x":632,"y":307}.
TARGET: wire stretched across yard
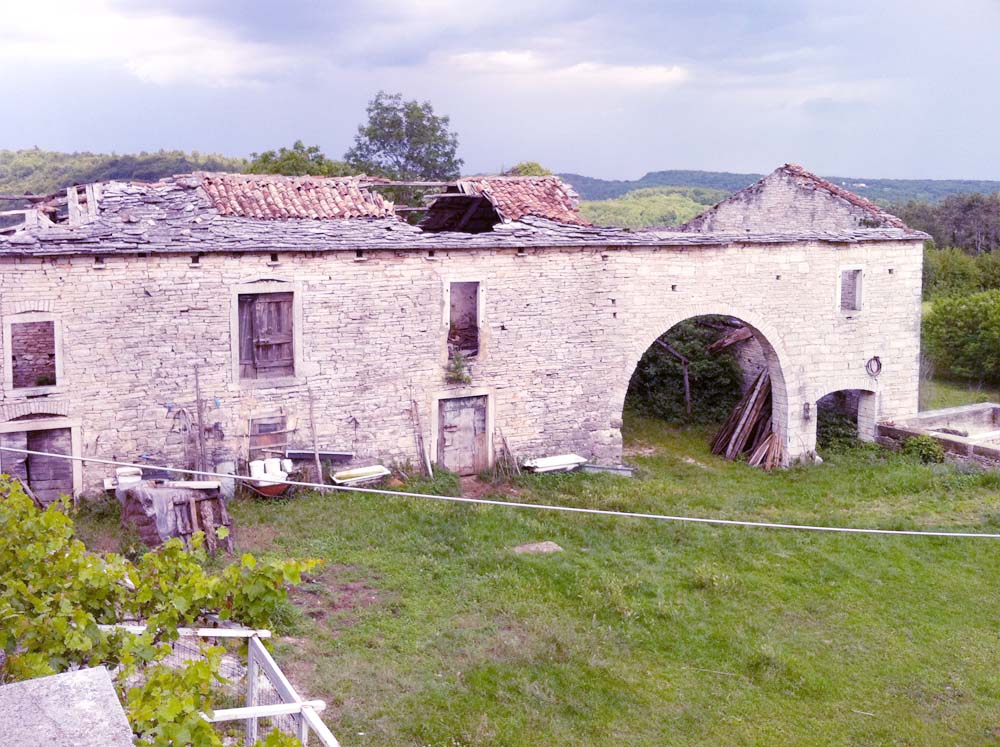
{"x":536,"y":506}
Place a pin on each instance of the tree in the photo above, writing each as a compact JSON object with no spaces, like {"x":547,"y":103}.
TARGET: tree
{"x":405,"y":140}
{"x":299,"y":160}
{"x":527,"y":168}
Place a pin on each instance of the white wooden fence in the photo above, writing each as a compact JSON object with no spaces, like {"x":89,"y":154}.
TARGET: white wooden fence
{"x":271,"y":700}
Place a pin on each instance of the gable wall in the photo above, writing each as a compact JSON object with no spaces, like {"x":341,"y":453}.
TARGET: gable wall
{"x":781,"y":201}
{"x":562,"y":332}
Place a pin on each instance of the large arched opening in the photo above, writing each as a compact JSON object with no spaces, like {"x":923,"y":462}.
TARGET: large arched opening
{"x":712,"y":370}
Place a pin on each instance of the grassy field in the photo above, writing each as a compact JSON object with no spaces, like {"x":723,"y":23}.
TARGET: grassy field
{"x":425,"y":629}
{"x":936,"y":394}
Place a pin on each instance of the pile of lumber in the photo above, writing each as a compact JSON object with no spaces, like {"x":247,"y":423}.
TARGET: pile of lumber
{"x":749,"y":431}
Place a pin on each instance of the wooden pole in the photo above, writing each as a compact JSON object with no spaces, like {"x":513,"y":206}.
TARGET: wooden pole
{"x":684,"y":367}
{"x":202,"y":460}
{"x":315,"y":439}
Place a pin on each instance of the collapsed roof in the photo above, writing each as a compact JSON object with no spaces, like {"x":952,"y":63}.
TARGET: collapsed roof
{"x":214,"y":212}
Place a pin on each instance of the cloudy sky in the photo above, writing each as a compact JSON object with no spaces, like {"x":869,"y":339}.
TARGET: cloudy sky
{"x":612,"y":89}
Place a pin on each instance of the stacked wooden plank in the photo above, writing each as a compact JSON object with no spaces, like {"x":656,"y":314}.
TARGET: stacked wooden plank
{"x":749,"y":431}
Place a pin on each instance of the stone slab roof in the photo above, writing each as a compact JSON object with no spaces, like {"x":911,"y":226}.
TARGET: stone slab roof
{"x":74,"y":709}
{"x":198,"y":214}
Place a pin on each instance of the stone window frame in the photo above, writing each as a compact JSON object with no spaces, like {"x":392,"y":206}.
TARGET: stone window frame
{"x":262,"y":287}
{"x":860,"y":269}
{"x":480,"y":310}
{"x":56,"y":422}
{"x":27,"y":317}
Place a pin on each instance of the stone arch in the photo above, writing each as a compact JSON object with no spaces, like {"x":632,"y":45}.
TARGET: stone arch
{"x":865,"y":390}
{"x":33,"y":408}
{"x":783,"y":375}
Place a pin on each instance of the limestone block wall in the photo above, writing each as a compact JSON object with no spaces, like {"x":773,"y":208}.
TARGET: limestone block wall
{"x":562,"y":331}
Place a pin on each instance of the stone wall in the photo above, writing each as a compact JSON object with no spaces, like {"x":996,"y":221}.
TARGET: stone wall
{"x":562,"y":332}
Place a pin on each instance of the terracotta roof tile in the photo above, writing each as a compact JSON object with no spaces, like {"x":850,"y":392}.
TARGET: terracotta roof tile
{"x":272,"y":197}
{"x":516,"y":196}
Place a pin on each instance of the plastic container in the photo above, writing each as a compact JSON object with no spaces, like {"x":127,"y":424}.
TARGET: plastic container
{"x":257,"y":468}
{"x":286,"y":465}
{"x":128,"y":475}
{"x":272,"y":466}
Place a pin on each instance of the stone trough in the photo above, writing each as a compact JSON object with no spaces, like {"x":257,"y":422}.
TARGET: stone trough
{"x":968,"y":431}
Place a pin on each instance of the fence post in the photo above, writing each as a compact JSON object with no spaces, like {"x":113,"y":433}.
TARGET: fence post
{"x":251,"y":726}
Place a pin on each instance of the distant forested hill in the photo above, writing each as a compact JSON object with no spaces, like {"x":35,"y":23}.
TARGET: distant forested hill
{"x":653,"y":206}
{"x":878,"y":190}
{"x":42,"y":171}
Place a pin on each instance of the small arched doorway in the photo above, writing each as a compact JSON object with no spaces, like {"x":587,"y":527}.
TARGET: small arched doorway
{"x":703,"y":368}
{"x":845,"y":416}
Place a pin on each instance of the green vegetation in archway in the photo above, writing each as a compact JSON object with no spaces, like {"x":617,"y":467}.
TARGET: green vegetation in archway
{"x":657,"y":386}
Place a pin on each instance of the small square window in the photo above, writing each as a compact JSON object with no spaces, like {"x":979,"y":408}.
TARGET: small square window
{"x":850,"y":290}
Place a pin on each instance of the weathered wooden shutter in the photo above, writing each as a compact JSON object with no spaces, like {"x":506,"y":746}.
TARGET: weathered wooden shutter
{"x":248,"y":367}
{"x":272,"y":335}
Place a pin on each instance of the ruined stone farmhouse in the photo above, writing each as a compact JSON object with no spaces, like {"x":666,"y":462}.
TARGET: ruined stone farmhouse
{"x":266,"y":306}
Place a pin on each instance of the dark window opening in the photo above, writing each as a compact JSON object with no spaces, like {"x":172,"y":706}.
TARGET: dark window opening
{"x":266,"y":336}
{"x":850,"y":290}
{"x":463,"y":328}
{"x":455,"y":211}
{"x":33,"y":354}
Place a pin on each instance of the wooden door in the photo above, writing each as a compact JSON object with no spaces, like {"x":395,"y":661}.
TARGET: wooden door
{"x":463,"y":442}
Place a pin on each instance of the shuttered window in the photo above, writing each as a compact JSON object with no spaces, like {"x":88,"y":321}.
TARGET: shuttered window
{"x":266,"y":335}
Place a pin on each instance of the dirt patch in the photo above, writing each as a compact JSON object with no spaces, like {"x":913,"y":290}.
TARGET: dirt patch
{"x":331,"y":600}
{"x":256,"y":537}
{"x":638,"y":449}
{"x":473,"y":487}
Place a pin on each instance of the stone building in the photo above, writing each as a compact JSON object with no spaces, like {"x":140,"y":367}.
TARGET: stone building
{"x":293,"y":302}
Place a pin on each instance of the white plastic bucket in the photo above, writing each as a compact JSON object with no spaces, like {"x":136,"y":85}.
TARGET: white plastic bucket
{"x":257,"y":468}
{"x":272,"y":466}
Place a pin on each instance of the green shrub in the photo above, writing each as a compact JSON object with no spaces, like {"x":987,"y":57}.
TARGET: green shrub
{"x":924,"y":448}
{"x":949,"y":272}
{"x":989,"y":270}
{"x":657,"y":386}
{"x":962,"y":336}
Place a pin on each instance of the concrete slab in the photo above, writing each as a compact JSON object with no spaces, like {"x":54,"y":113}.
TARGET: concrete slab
{"x":74,"y":709}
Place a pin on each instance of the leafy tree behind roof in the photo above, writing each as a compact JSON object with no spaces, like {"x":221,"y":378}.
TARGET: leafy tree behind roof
{"x":527,"y":168}
{"x":405,"y":140}
{"x":299,"y":160}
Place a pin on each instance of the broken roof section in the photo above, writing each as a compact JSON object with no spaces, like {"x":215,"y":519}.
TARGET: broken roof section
{"x":476,"y":204}
{"x":205,"y":213}
{"x":796,"y":200}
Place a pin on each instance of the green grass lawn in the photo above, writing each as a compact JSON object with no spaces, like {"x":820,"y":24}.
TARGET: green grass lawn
{"x":425,"y":629}
{"x":936,"y":394}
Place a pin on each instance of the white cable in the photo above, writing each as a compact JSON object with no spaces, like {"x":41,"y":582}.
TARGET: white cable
{"x":515,"y":504}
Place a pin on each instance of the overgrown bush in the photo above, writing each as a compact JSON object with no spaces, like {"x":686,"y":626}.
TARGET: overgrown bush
{"x":924,"y":448}
{"x":657,"y":386}
{"x":54,"y":595}
{"x":949,"y":272}
{"x":962,"y":336}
